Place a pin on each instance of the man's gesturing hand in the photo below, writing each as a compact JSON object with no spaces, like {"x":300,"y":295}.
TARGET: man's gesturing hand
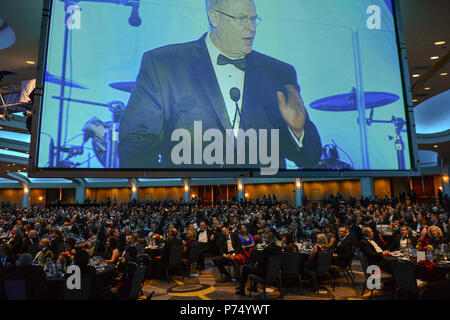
{"x":293,"y":110}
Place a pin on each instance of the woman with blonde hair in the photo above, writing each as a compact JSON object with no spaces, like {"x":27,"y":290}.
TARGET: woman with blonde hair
{"x":322,"y":244}
{"x":436,"y":236}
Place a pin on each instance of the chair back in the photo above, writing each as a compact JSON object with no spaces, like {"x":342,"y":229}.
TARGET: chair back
{"x":273,"y":268}
{"x":405,"y":277}
{"x":324,"y":261}
{"x":15,"y":289}
{"x":175,"y":256}
{"x":138,"y":278}
{"x":79,"y":294}
{"x":194,"y":251}
{"x":290,"y":264}
{"x":363,"y":261}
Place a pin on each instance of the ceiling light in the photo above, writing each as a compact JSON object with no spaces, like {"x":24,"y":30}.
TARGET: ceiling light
{"x":415,"y":100}
{"x":1,"y":128}
{"x":439,"y":43}
{"x":416,"y":75}
{"x":435,"y":146}
{"x":427,"y":88}
{"x":30,"y":62}
{"x":444,"y":74}
{"x":14,"y":164}
{"x":434,"y":57}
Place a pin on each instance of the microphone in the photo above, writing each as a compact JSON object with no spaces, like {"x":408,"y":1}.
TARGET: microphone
{"x":235,"y":95}
{"x":134,"y":19}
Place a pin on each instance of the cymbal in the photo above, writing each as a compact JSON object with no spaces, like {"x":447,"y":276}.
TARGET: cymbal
{"x":123,"y":86}
{"x":58,"y":80}
{"x":7,"y":35}
{"x":347,"y":101}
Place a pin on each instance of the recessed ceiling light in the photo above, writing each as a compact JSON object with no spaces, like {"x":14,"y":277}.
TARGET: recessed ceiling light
{"x":6,"y":148}
{"x":444,"y":74}
{"x":439,"y":43}
{"x":434,"y":57}
{"x":416,"y":75}
{"x":427,"y":88}
{"x":30,"y":62}
{"x":435,"y":146}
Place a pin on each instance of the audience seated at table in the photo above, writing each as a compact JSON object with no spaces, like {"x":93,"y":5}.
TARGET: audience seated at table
{"x":271,"y":250}
{"x":402,"y":240}
{"x":372,"y":252}
{"x":321,"y":245}
{"x":290,"y":246}
{"x":436,"y":237}
{"x":112,"y":253}
{"x":248,"y":245}
{"x":228,"y":247}
{"x":343,"y":249}
{"x":227,"y":229}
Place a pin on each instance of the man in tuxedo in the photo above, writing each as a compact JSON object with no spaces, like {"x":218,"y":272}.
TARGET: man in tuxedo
{"x":402,"y":239}
{"x":220,"y":81}
{"x":271,"y":250}
{"x":205,"y":237}
{"x":343,"y":250}
{"x":374,"y":254}
{"x":228,"y":246}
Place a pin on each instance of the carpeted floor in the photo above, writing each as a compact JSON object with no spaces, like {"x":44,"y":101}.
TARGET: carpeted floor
{"x":205,"y":286}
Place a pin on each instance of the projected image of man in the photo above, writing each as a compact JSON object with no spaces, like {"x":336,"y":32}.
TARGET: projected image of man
{"x":222,"y":82}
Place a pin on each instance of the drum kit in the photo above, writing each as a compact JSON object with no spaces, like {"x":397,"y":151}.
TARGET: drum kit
{"x":348,"y":103}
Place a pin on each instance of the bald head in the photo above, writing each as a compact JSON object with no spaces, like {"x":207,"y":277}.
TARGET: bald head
{"x":215,"y":4}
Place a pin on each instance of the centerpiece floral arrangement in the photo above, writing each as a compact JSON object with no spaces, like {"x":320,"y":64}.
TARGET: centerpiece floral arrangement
{"x":65,"y":259}
{"x":424,"y":245}
{"x":157,"y":238}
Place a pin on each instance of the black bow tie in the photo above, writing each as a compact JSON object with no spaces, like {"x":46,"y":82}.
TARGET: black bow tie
{"x":238,"y":63}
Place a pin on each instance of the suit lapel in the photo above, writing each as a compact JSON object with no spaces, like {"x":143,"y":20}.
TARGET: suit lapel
{"x":249,"y":90}
{"x":208,"y":81}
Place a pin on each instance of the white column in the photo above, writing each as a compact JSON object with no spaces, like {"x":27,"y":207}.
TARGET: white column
{"x":80,"y":190}
{"x":187,"y":190}
{"x":298,"y":192}
{"x":134,"y":189}
{"x":25,"y":195}
{"x":367,"y":190}
{"x":240,"y":189}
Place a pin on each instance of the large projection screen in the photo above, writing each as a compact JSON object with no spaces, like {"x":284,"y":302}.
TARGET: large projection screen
{"x":272,"y":88}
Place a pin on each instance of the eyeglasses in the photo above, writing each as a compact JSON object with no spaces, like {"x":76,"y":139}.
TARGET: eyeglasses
{"x":242,"y":21}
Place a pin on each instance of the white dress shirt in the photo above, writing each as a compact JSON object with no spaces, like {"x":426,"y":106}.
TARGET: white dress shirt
{"x":375,"y":245}
{"x":228,"y":76}
{"x":203,"y":236}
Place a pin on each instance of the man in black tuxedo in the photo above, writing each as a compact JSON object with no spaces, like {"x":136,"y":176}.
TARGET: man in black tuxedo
{"x":343,"y":250}
{"x":205,"y":237}
{"x":374,"y":254}
{"x":228,"y":246}
{"x":183,"y":83}
{"x":271,"y":250}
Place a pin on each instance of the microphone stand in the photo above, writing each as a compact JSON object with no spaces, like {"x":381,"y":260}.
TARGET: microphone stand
{"x":67,"y":4}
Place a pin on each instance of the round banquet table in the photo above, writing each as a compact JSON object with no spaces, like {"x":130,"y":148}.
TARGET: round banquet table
{"x":438,"y":273}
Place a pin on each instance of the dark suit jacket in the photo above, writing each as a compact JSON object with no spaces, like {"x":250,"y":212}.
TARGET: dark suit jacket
{"x":177,"y":85}
{"x":344,"y":251}
{"x":373,"y":257}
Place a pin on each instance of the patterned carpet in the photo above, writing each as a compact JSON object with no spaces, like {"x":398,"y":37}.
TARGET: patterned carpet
{"x":205,"y":286}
